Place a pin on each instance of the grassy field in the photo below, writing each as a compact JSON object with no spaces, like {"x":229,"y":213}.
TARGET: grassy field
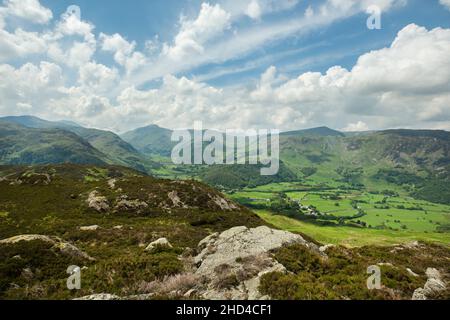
{"x":388,"y":219}
{"x":351,"y":237}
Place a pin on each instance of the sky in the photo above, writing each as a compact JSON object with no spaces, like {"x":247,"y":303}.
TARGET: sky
{"x":232,"y":64}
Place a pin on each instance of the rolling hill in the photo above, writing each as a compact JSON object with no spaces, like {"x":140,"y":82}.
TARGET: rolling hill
{"x":22,"y":145}
{"x":417,"y":161}
{"x":108,"y":146}
{"x":150,"y":140}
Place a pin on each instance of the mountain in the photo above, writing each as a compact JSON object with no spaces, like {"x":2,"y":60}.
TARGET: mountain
{"x":415,"y":160}
{"x":38,"y":123}
{"x":318,"y":132}
{"x":150,"y":140}
{"x":22,"y":145}
{"x":156,"y":140}
{"x":113,"y":148}
{"x":419,"y":159}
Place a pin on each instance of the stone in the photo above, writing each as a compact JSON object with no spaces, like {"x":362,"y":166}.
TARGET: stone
{"x":412,"y":272}
{"x":243,"y":253}
{"x":90,"y":228}
{"x":97,"y":202}
{"x":112,"y":183}
{"x":224,"y":204}
{"x":433,"y":286}
{"x":64,"y":247}
{"x":100,"y":296}
{"x":326,"y":247}
{"x":162,"y":242}
{"x":176,"y":201}
{"x":126,"y":205}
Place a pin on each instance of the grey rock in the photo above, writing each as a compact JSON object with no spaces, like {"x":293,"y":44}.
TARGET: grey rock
{"x":64,"y":247}
{"x":90,"y":228}
{"x":243,"y":253}
{"x":124,"y":205}
{"x":162,"y":242}
{"x":97,"y":202}
{"x":434,"y":285}
{"x":100,"y":296}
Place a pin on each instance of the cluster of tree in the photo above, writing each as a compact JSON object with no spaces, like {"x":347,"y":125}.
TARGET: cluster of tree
{"x":350,"y":175}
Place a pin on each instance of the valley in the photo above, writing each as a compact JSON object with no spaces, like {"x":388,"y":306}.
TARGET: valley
{"x":141,"y":227}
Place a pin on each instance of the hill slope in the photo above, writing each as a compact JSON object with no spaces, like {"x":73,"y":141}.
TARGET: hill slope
{"x":19,"y":145}
{"x":150,"y":140}
{"x":137,"y":237}
{"x":113,"y":148}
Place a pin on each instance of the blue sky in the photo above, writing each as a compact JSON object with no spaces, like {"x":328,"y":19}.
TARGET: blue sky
{"x":284,"y":64}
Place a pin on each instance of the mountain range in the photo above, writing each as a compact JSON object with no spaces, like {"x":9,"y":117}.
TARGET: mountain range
{"x":416,"y":159}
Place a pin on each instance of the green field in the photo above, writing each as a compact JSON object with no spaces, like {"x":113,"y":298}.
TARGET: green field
{"x":352,"y":237}
{"x":387,"y":219}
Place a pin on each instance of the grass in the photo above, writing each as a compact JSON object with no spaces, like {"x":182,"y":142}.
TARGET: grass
{"x":394,"y":213}
{"x":343,"y":274}
{"x":60,"y":209}
{"x":348,"y":236}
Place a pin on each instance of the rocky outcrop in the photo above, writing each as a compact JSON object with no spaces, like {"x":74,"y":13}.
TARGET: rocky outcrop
{"x":162,"y":242}
{"x":325,"y":248}
{"x":125,"y":205}
{"x":100,"y":296}
{"x":234,"y":261}
{"x":224,"y":204}
{"x":433,"y":286}
{"x":173,"y":196}
{"x":112,"y":183}
{"x":63,"y":247}
{"x":97,"y":202}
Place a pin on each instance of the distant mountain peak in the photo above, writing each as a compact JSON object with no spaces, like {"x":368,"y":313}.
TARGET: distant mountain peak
{"x":318,"y":131}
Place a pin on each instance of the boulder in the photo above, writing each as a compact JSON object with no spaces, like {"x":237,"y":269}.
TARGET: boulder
{"x":162,"y":242}
{"x":224,"y":204}
{"x":90,"y":228}
{"x":125,"y":205}
{"x":176,"y":201}
{"x":97,"y":202}
{"x":112,"y":183}
{"x":59,"y":244}
{"x":433,"y":286}
{"x":241,"y":256}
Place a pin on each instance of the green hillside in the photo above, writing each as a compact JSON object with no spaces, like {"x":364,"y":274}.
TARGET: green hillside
{"x":113,"y":149}
{"x":151,"y":140}
{"x":21,"y":145}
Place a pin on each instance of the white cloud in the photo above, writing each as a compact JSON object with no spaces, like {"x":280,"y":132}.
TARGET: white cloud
{"x":403,"y":84}
{"x":124,"y":51}
{"x":71,"y":25}
{"x":356,"y":127}
{"x":211,"y":22}
{"x":19,"y":44}
{"x":28,"y":88}
{"x":98,"y":78}
{"x":30,"y":10}
{"x":445,"y":3}
{"x":117,"y":45}
{"x":254,"y":10}
{"x":193,"y":46}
